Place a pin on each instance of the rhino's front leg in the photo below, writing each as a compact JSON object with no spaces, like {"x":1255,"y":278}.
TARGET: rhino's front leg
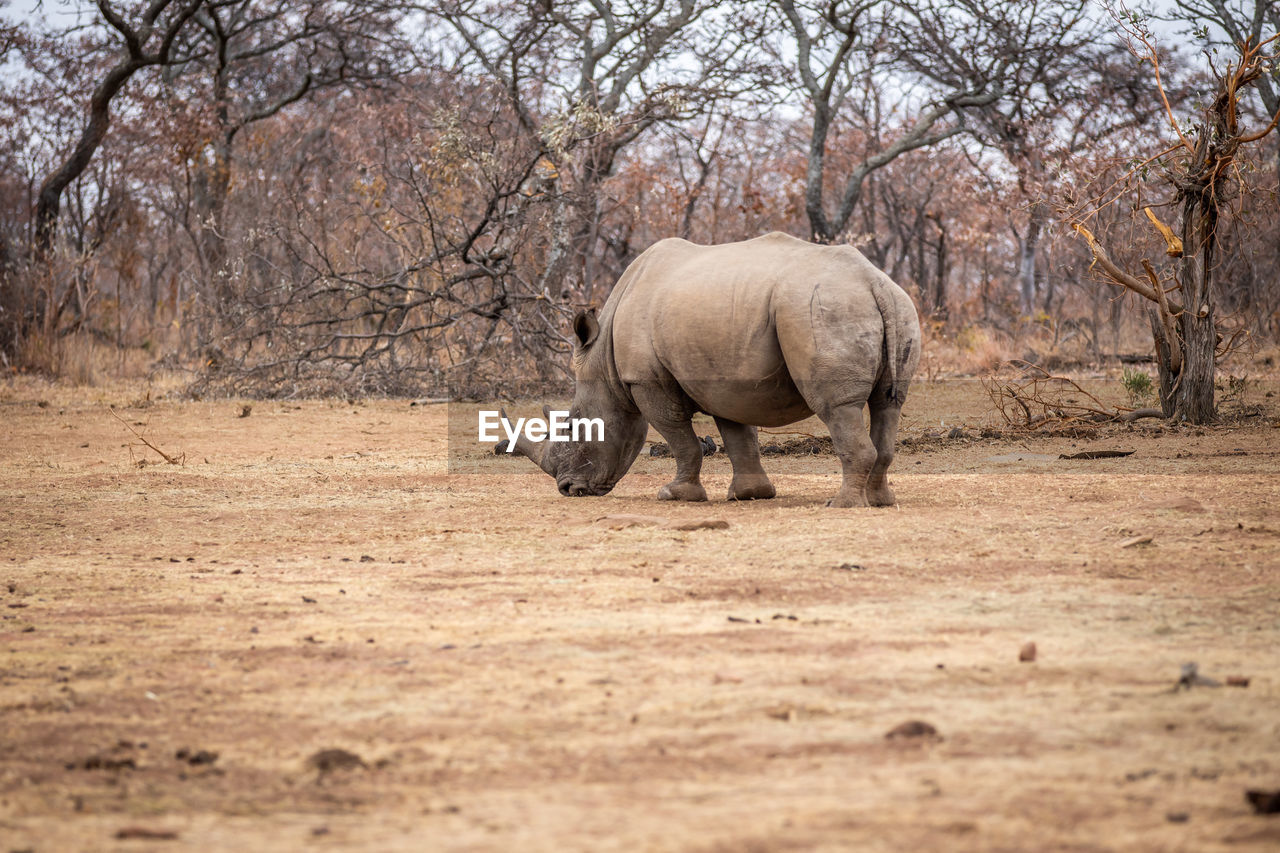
{"x":750,"y":482}
{"x":673,"y":421}
{"x":857,"y":453}
{"x":687,"y":450}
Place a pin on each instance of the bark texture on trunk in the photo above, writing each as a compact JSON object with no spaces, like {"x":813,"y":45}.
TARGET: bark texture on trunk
{"x":1194,"y":398}
{"x":1163,"y":360}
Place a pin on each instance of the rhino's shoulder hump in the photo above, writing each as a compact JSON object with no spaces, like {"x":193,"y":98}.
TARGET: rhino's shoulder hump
{"x":670,"y":244}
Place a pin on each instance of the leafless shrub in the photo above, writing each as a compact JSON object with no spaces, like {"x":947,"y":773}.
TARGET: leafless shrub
{"x":415,"y":281}
{"x":1036,"y":399}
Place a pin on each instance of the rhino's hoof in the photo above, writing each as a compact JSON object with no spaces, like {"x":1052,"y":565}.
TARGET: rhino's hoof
{"x":682,"y":492}
{"x":881,"y":497}
{"x":843,"y":500}
{"x":751,"y":491}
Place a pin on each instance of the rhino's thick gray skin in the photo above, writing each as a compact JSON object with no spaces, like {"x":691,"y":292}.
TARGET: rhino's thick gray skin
{"x":761,"y":333}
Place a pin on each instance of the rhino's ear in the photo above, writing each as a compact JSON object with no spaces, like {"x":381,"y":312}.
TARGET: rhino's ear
{"x":585,"y":328}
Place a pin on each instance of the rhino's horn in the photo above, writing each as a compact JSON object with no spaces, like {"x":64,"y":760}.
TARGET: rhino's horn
{"x":525,"y":447}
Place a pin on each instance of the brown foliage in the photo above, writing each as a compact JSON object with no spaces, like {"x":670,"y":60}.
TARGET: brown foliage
{"x":321,"y":204}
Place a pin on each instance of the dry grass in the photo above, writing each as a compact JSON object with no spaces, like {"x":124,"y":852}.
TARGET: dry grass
{"x":82,"y":360}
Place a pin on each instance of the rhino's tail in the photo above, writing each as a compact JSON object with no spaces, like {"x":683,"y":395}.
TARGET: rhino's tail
{"x":897,"y":346}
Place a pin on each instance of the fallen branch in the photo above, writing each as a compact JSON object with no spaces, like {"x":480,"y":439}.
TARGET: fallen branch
{"x":172,"y":460}
{"x":1138,"y":414}
{"x":1097,"y":454}
{"x":790,"y":432}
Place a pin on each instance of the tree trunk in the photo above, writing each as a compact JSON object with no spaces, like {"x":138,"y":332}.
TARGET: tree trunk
{"x":820,"y":230}
{"x":1193,"y":400}
{"x":49,"y":200}
{"x":211,"y":187}
{"x":1164,"y":358}
{"x":986,"y":279}
{"x":1049,"y":294}
{"x":1028,"y":248}
{"x":940,"y":309}
{"x":1095,"y":320}
{"x":1114,"y":314}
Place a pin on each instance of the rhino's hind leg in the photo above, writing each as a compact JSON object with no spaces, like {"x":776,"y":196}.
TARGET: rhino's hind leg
{"x":884,"y":435}
{"x":750,"y":482}
{"x":857,"y":453}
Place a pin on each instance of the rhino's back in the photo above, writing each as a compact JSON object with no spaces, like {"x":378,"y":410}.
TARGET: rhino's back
{"x":738,"y":324}
{"x":760,"y":263}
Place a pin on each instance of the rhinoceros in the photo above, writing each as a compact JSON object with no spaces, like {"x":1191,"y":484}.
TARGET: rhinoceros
{"x":761,"y":333}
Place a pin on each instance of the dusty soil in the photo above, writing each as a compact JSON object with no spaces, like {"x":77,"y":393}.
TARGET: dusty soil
{"x":317,"y":633}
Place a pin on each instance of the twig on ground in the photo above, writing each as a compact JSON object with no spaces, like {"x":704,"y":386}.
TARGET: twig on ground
{"x":172,"y":460}
{"x":790,"y":432}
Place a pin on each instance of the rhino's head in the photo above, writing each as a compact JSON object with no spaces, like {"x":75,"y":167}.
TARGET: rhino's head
{"x":593,"y":466}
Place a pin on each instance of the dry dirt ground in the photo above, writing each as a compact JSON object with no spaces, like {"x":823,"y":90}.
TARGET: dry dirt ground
{"x":315,"y":633}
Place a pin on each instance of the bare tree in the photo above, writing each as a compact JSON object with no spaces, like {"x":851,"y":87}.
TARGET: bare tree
{"x":1085,"y":91}
{"x":118,"y":41}
{"x":929,"y":64}
{"x":1227,"y":23}
{"x":1200,"y":168}
{"x":250,"y":60}
{"x":412,"y":282}
{"x":145,"y":41}
{"x":587,"y":80}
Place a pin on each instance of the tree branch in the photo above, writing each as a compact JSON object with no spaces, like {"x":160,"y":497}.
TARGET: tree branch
{"x":1118,"y":275}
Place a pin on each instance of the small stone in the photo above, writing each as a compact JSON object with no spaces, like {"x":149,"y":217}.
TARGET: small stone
{"x":328,"y":760}
{"x":1027,"y":653}
{"x":1264,"y":802}
{"x":912,"y":729}
{"x":1191,"y":677}
{"x":196,"y":757}
{"x":145,"y":833}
